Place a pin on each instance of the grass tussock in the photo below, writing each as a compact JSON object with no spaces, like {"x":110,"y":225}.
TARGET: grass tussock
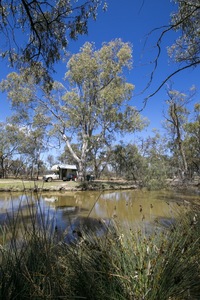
{"x":36,"y":263}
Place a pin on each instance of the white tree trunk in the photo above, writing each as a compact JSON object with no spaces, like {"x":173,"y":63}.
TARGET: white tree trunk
{"x":80,"y":161}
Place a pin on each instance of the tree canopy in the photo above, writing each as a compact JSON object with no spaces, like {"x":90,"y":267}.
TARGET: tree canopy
{"x":38,"y":31}
{"x":185,"y":51}
{"x":91,"y":108}
{"x":187,"y":21}
{"x":176,"y":124}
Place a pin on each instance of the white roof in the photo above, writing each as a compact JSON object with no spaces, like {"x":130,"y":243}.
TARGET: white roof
{"x":63,"y":166}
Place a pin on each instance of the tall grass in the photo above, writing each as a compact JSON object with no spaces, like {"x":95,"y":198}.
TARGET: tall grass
{"x":36,"y":263}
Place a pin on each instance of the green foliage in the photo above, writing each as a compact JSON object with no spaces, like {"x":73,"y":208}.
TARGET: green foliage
{"x":156,"y":168}
{"x":127,"y":162}
{"x":21,"y":148}
{"x":192,"y":141}
{"x":186,"y":21}
{"x":155,"y":182}
{"x":145,"y":162}
{"x":176,"y":118}
{"x":45,"y":27}
{"x":90,"y":112}
{"x":9,"y":136}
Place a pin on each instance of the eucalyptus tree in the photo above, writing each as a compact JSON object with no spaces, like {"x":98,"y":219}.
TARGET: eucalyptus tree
{"x":92,"y":107}
{"x":8,"y":147}
{"x":31,"y":148}
{"x":175,"y":120}
{"x":156,"y":166}
{"x":127,"y":161}
{"x":66,"y":157}
{"x":39,"y":31}
{"x":192,"y":141}
{"x":186,"y":20}
{"x":50,"y":161}
{"x":20,"y":148}
{"x":118,"y":159}
{"x":98,"y":102}
{"x":99,"y":158}
{"x":185,"y":51}
{"x":17,"y":167}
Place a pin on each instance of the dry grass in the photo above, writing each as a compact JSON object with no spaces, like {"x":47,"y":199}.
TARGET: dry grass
{"x":21,"y":185}
{"x":18,"y":185}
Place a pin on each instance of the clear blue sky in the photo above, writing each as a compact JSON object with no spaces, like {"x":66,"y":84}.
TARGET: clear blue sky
{"x":132,"y":21}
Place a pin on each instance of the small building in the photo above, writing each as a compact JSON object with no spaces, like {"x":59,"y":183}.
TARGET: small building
{"x":65,"y":170}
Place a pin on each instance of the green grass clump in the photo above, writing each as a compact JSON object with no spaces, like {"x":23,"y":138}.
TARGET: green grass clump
{"x":36,"y":263}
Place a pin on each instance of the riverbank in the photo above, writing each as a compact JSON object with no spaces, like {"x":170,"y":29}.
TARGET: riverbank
{"x":17,"y":185}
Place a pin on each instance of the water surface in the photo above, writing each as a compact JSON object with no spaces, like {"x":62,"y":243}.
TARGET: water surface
{"x":72,"y":209}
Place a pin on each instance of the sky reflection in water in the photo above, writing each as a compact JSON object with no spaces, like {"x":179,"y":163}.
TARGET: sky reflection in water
{"x":89,"y":210}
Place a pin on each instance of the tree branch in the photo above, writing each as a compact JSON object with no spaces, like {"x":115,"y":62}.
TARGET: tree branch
{"x":166,"y":79}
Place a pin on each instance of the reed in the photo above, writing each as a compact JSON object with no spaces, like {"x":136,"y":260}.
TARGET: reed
{"x":36,"y":263}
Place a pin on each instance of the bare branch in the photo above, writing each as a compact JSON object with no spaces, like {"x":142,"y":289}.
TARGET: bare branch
{"x":164,"y":81}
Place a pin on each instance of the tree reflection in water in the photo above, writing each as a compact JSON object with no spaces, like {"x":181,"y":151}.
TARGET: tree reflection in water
{"x":72,"y":212}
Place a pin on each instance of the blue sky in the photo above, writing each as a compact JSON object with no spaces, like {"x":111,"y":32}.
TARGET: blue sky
{"x":132,"y":21}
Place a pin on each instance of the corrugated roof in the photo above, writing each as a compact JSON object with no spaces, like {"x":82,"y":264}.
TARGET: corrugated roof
{"x":63,"y":166}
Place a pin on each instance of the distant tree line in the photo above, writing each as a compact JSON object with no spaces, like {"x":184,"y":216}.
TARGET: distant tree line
{"x":149,"y":161}
{"x":87,"y":112}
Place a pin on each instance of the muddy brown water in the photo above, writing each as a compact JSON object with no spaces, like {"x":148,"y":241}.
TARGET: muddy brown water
{"x":72,"y":210}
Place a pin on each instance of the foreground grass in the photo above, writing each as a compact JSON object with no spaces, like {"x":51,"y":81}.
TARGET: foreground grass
{"x":38,"y":264}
